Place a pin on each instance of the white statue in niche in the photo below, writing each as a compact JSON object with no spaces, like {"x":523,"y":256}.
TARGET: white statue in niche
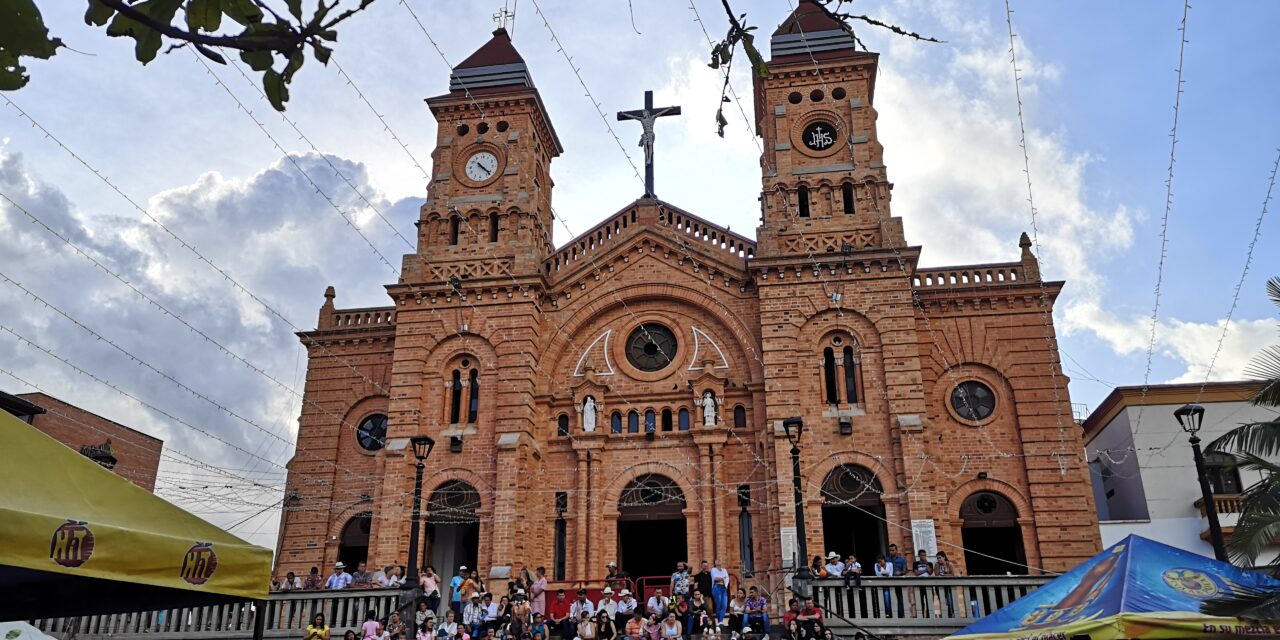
{"x":589,"y":414}
{"x":709,"y":409}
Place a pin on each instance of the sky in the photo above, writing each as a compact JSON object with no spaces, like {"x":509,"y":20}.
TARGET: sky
{"x":206,"y":163}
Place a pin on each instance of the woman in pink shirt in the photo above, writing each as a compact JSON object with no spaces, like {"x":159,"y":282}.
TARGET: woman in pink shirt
{"x":538,"y":592}
{"x":371,"y":629}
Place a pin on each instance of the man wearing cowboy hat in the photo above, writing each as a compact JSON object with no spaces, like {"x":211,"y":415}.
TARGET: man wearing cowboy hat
{"x":473,"y":614}
{"x":834,"y":568}
{"x":626,"y":608}
{"x":340,"y":578}
{"x":608,"y":604}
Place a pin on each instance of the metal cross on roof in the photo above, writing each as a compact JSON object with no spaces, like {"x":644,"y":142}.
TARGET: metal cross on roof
{"x":646,"y":116}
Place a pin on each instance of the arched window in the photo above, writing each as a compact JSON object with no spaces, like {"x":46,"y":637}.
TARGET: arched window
{"x":666,"y":419}
{"x":473,"y":407}
{"x":453,"y":230}
{"x":615,"y":422}
{"x":852,"y":375}
{"x":493,"y":227}
{"x":562,"y":425}
{"x":846,"y":194}
{"x":683,"y":419}
{"x":803,"y":194}
{"x":739,"y":417}
{"x":829,"y":376}
{"x":650,"y":421}
{"x":455,"y":397}
{"x":633,"y":422}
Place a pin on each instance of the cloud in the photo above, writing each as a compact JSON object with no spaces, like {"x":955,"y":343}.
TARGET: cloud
{"x":271,"y":231}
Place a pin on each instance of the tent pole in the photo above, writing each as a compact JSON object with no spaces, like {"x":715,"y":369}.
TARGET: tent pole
{"x":259,"y":619}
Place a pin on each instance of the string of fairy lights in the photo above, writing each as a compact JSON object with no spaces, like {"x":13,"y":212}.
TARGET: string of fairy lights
{"x":213,"y":491}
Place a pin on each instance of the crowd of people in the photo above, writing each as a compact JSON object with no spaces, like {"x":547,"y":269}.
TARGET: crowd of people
{"x":692,"y":605}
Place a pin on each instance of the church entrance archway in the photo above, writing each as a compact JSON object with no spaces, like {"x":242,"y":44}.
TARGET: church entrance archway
{"x":991,"y":535}
{"x":453,"y":527}
{"x":353,"y":544}
{"x":652,"y":532}
{"x":853,"y":517}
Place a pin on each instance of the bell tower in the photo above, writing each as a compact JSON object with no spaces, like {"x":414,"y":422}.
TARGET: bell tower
{"x":824,"y":184}
{"x":488,"y":208}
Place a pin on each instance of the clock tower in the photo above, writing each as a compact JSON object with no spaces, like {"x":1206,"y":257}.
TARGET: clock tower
{"x":488,"y":209}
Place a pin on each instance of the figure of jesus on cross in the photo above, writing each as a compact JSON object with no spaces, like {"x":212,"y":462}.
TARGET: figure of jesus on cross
{"x":646,"y":116}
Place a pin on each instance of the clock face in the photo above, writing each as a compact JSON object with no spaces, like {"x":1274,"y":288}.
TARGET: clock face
{"x":372,"y":432}
{"x":819,"y":136}
{"x":651,"y":347}
{"x":481,"y":166}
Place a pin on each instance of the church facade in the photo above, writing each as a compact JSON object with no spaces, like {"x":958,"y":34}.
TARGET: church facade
{"x":623,"y":397}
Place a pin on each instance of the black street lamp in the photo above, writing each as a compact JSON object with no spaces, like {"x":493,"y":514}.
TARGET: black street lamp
{"x":422,"y":446}
{"x":794,"y":428}
{"x":1189,"y":417}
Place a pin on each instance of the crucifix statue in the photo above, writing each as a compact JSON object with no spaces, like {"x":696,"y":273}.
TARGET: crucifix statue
{"x":646,"y":116}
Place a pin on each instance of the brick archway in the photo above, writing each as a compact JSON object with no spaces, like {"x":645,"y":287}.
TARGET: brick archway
{"x":1030,"y":541}
{"x":605,"y":545}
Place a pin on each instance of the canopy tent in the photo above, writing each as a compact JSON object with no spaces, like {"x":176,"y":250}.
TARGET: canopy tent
{"x":1138,"y":588}
{"x":76,"y":539}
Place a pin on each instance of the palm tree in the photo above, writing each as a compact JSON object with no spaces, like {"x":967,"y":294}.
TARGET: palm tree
{"x":1254,"y":446}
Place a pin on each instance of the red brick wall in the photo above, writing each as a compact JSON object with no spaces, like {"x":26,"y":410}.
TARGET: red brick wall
{"x":137,"y":454}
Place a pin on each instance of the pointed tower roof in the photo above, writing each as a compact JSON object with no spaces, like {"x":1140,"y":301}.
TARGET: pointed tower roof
{"x":810,"y":30}
{"x":495,"y":64}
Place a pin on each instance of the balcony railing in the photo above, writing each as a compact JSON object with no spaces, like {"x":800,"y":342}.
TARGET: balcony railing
{"x":918,"y":606}
{"x":1225,"y":503}
{"x":930,"y":607}
{"x":287,"y":615}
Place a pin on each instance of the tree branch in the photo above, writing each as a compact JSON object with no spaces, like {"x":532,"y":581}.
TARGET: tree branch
{"x":261,"y":42}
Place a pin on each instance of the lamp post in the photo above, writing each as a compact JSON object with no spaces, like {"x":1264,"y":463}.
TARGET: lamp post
{"x":422,"y":446}
{"x":1189,"y":417}
{"x":794,"y":428}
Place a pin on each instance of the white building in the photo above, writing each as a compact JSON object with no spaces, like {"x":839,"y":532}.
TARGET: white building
{"x":1143,"y":470}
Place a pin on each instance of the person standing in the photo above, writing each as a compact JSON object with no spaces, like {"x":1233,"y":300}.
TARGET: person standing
{"x":371,"y":629}
{"x":313,"y":581}
{"x":720,"y":590}
{"x":680,"y":581}
{"x":538,"y":591}
{"x":430,"y":583}
{"x":362,"y":578}
{"x":922,"y":568}
{"x":340,"y":578}
{"x":455,"y":591}
{"x":702,"y":580}
{"x":899,"y":564}
{"x":317,"y":630}
{"x":944,"y":569}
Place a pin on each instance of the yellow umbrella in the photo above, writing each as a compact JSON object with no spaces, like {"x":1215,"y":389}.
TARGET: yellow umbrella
{"x":76,"y":539}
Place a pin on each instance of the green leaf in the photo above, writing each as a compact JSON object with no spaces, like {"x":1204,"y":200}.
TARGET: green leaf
{"x":148,"y":40}
{"x":204,"y":15}
{"x":329,"y":34}
{"x":295,"y":8}
{"x":322,"y":53}
{"x":276,"y":88}
{"x":22,"y":33}
{"x":98,"y":14}
{"x":243,"y":11}
{"x":295,"y":62}
{"x":757,"y":60}
{"x":257,"y":60}
{"x":210,"y":53}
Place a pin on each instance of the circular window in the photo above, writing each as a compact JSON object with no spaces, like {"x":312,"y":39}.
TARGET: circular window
{"x":838,"y":93}
{"x":986,"y":503}
{"x":651,"y":347}
{"x":795,"y":97}
{"x":816,"y":95}
{"x":463,"y":129}
{"x":819,"y":135}
{"x":502,"y":125}
{"x":483,"y":127}
{"x":973,"y":401}
{"x":372,"y":432}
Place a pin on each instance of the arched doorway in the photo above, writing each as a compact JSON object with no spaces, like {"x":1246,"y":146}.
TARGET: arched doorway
{"x":453,"y":528}
{"x":853,"y":519}
{"x":652,"y":533}
{"x":991,"y":535}
{"x":353,"y":544}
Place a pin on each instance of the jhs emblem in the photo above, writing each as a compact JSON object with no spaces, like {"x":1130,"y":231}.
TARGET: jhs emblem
{"x":72,"y":544}
{"x":199,"y":563}
{"x":819,"y":136}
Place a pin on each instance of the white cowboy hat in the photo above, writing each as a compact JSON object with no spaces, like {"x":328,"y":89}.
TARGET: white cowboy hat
{"x":339,"y":565}
{"x":832,"y":554}
{"x":612,"y":564}
{"x":519,"y":592}
{"x":624,"y":592}
{"x":608,"y":591}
